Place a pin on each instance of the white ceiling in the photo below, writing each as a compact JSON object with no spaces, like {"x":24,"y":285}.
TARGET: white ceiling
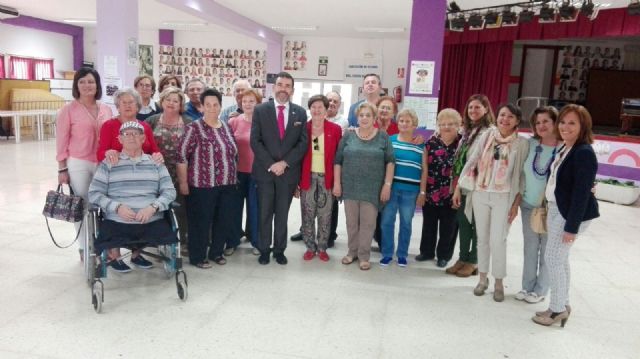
{"x":333,"y":18}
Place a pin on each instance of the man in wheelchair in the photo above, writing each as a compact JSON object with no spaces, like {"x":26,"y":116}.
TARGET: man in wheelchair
{"x":132,"y":195}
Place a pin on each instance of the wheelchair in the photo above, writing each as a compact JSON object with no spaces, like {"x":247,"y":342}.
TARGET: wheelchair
{"x":96,"y":260}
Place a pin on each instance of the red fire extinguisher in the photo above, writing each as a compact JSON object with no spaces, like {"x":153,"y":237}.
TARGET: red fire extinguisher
{"x":397,"y":94}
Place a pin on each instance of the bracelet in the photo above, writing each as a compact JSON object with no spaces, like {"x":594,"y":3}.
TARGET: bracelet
{"x":423,"y":193}
{"x":61,"y":170}
{"x":118,"y":207}
{"x":388,"y":184}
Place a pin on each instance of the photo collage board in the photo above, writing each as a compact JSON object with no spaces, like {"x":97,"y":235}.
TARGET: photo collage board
{"x":217,"y":67}
{"x":574,"y":64}
{"x":294,"y":56}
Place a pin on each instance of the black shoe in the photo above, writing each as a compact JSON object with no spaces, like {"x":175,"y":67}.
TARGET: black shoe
{"x":442,"y":263}
{"x":331,"y":244}
{"x":332,"y":240}
{"x":296,"y":237}
{"x":423,"y":257}
{"x":280,"y":258}
{"x":264,"y":258}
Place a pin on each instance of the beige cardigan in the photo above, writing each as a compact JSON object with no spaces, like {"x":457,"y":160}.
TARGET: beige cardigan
{"x":520,"y":145}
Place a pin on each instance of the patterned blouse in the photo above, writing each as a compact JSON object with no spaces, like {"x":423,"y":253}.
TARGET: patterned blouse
{"x":211,"y":155}
{"x":168,"y":137}
{"x":440,"y":159}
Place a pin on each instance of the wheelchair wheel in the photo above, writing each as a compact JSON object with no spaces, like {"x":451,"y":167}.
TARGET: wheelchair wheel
{"x":97,"y":295}
{"x":181,"y":285}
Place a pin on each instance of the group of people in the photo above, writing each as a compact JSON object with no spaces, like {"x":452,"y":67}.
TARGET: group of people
{"x":470,"y":178}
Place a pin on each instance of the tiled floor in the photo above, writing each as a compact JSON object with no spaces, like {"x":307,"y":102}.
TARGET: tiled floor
{"x":302,"y":310}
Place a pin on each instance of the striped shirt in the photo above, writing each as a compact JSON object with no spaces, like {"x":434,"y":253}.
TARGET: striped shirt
{"x":136,"y":183}
{"x":210,"y":153}
{"x":408,"y":167}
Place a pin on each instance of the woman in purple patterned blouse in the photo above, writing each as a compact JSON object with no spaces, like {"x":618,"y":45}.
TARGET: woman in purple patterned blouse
{"x":207,"y":176}
{"x":437,"y":212}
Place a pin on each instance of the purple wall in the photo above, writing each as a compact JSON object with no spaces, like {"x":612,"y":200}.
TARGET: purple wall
{"x":76,"y":33}
{"x":165,"y":37}
{"x":427,"y":38}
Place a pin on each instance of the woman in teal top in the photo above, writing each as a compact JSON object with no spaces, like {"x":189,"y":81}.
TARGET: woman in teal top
{"x":542,"y":150}
{"x":407,"y":191}
{"x":363,"y":171}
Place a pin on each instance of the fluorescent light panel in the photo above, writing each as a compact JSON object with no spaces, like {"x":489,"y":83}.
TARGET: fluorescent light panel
{"x":379,"y":29}
{"x":295,"y":28}
{"x":79,"y":21}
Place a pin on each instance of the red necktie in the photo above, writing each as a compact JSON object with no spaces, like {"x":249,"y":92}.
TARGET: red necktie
{"x":281,"y":120}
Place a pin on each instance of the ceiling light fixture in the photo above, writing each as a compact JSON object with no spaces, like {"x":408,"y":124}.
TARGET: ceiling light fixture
{"x":79,"y":21}
{"x":547,"y":14}
{"x":380,"y":29}
{"x":634,"y":7}
{"x":183,"y":24}
{"x":476,"y":22}
{"x":295,"y":28}
{"x":567,"y":12}
{"x":509,"y":17}
{"x":491,"y":18}
{"x":526,"y":15}
{"x":457,"y":23}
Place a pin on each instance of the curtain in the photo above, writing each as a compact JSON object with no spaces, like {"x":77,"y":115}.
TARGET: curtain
{"x":468,"y":69}
{"x":2,"y":67}
{"x":20,"y":68}
{"x":42,"y":69}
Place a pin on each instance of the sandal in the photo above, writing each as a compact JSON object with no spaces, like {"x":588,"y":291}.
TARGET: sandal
{"x":204,"y":265}
{"x":365,"y":265}
{"x":220,"y":260}
{"x":347,"y":260}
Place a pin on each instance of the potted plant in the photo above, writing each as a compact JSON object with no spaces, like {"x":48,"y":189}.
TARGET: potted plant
{"x":612,"y":190}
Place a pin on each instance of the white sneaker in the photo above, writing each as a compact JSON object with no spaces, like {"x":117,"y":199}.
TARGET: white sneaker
{"x":533,"y":298}
{"x":255,"y":251}
{"x":521,"y":295}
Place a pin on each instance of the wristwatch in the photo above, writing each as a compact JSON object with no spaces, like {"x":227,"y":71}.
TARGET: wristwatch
{"x":155,"y":206}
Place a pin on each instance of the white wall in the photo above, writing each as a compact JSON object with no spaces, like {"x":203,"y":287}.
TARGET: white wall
{"x":391,"y":52}
{"x":22,"y":41}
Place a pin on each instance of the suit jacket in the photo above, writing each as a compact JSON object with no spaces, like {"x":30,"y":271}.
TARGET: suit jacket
{"x":332,"y":137}
{"x":574,"y":181}
{"x":267,"y":146}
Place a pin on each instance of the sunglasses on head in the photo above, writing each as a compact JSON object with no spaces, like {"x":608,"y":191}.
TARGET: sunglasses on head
{"x":316,"y":145}
{"x":496,"y":152}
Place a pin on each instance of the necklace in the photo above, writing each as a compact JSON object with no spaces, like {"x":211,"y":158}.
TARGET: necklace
{"x":535,"y":164}
{"x":365,"y":137}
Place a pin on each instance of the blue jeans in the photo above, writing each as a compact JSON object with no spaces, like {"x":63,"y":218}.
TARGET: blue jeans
{"x":403,"y":202}
{"x":249,"y":192}
{"x":535,"y":275}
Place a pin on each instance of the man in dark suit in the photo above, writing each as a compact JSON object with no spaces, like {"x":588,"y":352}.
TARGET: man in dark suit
{"x":279,"y":142}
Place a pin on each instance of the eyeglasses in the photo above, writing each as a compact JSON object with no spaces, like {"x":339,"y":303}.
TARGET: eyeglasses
{"x":131,"y":134}
{"x":145,"y":86}
{"x":496,"y":152}
{"x":316,"y":144}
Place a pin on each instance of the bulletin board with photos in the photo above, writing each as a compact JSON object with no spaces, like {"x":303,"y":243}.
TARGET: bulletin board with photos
{"x":294,"y":55}
{"x":217,"y":67}
{"x":573,"y":67}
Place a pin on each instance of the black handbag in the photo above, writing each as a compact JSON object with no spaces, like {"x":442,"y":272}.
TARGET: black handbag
{"x":64,"y":207}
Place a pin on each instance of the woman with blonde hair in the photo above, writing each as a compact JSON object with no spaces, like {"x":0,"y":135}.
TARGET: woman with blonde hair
{"x":363,"y":172}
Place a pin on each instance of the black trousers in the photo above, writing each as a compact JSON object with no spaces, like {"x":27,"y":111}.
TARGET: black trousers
{"x":334,"y":222}
{"x":274,"y":201}
{"x":438,"y":219}
{"x":209,"y":215}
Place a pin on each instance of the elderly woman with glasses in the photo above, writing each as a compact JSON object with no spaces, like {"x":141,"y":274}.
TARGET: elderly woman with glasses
{"x":146,"y":87}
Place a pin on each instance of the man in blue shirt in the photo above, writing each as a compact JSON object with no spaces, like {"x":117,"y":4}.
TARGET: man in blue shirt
{"x":194,"y":109}
{"x":371,"y":86}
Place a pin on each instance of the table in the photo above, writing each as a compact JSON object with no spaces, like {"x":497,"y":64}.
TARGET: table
{"x":39,"y":118}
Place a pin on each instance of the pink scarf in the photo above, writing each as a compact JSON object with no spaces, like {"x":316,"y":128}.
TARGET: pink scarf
{"x":496,"y":146}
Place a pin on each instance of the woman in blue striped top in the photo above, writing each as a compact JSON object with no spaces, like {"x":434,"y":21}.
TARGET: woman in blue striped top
{"x":407,"y":190}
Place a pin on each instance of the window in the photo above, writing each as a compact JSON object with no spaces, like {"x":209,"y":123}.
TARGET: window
{"x":26,"y":68}
{"x":304,"y":89}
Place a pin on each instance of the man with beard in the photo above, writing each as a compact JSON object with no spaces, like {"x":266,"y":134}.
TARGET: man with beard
{"x":371,"y":86}
{"x":279,"y":142}
{"x":335,"y":100}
